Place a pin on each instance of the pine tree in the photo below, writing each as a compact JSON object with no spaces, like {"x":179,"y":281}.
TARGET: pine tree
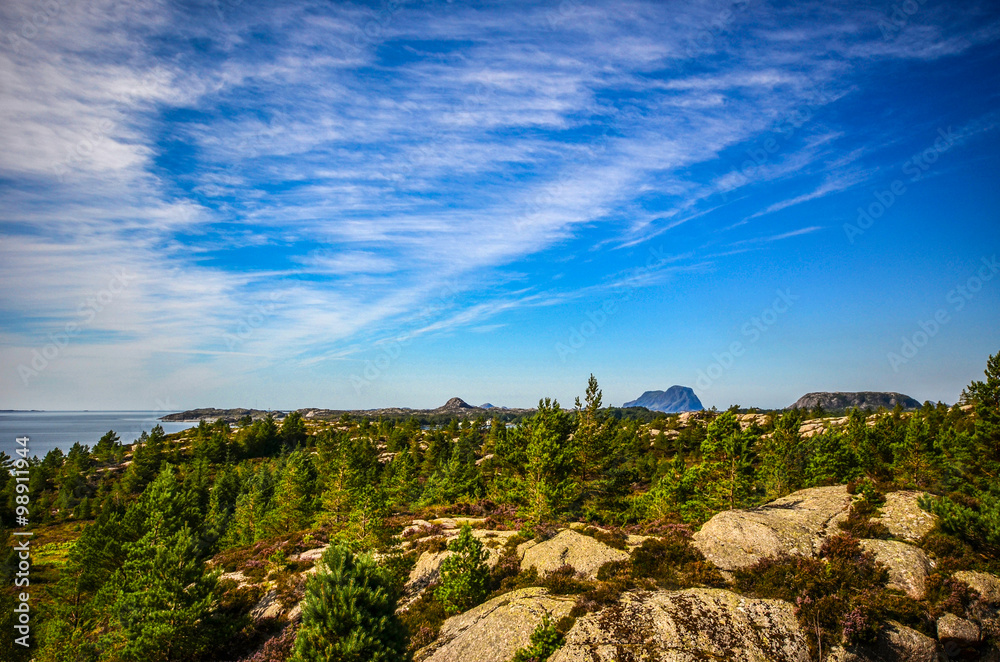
{"x":349,"y":613}
{"x":293,"y":430}
{"x":727,"y":462}
{"x":913,"y":455}
{"x":973,"y":461}
{"x":551,"y":461}
{"x":464,"y":574}
{"x":782,"y":456}
{"x":162,"y":594}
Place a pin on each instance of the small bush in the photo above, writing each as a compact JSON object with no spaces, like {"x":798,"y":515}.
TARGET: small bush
{"x":564,"y":580}
{"x":523,"y":579}
{"x":951,"y":553}
{"x":432,"y":545}
{"x":614,"y":570}
{"x":349,"y":613}
{"x":613,"y":539}
{"x":859,"y":518}
{"x":507,"y":567}
{"x":545,"y":641}
{"x":601,"y":595}
{"x":423,"y":620}
{"x":672,"y":562}
{"x":839,"y":597}
{"x":946,"y":594}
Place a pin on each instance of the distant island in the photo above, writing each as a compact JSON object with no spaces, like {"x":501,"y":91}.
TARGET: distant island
{"x":674,"y":400}
{"x":867,"y":400}
{"x":455,"y":407}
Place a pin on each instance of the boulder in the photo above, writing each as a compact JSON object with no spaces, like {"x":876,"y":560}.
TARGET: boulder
{"x":267,"y":607}
{"x":900,"y":643}
{"x":896,"y":643}
{"x":687,"y":626}
{"x":795,"y":524}
{"x":987,"y":585}
{"x":584,"y":553}
{"x":313,"y":554}
{"x":908,"y":565}
{"x":238,"y":577}
{"x":426,"y":569}
{"x":904,"y":517}
{"x":495,"y":630}
{"x":951,"y":628}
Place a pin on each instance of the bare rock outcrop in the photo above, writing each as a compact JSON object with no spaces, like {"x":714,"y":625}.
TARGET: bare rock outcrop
{"x":687,"y":626}
{"x":495,"y":630}
{"x":908,"y":565}
{"x":584,"y":553}
{"x":904,"y":517}
{"x":795,"y":524}
{"x":987,"y":585}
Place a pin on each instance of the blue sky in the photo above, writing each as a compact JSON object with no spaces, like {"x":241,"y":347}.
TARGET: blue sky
{"x":294,"y":204}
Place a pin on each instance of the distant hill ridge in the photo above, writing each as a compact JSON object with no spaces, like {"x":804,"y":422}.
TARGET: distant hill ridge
{"x":454,"y":406}
{"x":833,"y":401}
{"x":674,"y":400}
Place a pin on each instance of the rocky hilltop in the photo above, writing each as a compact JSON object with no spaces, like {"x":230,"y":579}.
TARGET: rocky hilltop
{"x":674,"y":400}
{"x":870,"y":400}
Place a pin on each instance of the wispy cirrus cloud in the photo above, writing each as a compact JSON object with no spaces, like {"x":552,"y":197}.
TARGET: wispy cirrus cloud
{"x":228,"y":154}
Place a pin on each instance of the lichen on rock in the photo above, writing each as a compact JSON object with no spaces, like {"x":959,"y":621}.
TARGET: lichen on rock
{"x":687,"y":626}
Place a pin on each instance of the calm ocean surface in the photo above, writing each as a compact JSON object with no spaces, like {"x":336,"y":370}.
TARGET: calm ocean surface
{"x":61,"y":429}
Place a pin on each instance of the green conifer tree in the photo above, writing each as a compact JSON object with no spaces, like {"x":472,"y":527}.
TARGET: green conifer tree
{"x":464,"y":574}
{"x":349,"y":613}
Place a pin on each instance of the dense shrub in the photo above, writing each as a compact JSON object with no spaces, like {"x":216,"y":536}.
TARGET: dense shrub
{"x":859,"y":521}
{"x":672,"y":561}
{"x":565,"y":580}
{"x":839,"y":597}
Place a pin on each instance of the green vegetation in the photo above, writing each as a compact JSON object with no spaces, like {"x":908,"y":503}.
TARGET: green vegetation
{"x":464,"y":575}
{"x":349,"y":613}
{"x":545,"y":641}
{"x":159,"y":550}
